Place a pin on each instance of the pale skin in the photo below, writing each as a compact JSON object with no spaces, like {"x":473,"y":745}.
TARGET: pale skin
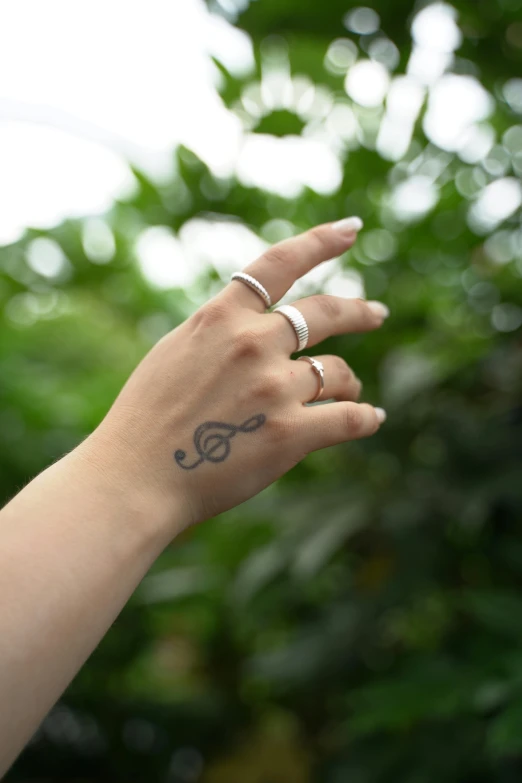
{"x":76,"y":542}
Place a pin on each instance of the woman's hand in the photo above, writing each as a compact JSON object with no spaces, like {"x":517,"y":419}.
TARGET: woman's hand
{"x":216,"y":411}
{"x":212,"y":415}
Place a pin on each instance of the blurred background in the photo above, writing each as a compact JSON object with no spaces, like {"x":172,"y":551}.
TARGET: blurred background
{"x":361,"y":621}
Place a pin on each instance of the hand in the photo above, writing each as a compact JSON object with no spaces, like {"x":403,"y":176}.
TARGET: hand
{"x":216,"y":411}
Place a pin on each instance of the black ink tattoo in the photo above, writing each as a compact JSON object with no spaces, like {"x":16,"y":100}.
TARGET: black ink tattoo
{"x":215,"y":446}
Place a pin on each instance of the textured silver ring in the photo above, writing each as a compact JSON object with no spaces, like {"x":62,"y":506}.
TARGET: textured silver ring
{"x":318,"y":368}
{"x":298,"y":322}
{"x":255,"y":285}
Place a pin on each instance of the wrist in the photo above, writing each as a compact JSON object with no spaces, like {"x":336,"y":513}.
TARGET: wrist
{"x":128,"y":488}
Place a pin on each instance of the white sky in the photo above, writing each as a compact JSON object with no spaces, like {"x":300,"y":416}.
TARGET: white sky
{"x":86,"y":86}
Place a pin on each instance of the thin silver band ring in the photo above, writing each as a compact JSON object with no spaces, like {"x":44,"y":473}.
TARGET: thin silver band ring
{"x":318,"y":368}
{"x":298,"y":322}
{"x":255,"y":285}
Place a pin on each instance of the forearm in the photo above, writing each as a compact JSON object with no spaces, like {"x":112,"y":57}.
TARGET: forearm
{"x":74,"y":545}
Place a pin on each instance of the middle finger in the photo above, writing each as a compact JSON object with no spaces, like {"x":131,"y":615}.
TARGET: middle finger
{"x":328,"y":315}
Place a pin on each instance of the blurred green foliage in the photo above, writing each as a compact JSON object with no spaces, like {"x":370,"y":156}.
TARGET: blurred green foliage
{"x":361,"y":621}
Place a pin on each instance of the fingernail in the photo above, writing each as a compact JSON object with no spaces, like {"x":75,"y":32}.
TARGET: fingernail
{"x":348,"y":225}
{"x":379,"y":309}
{"x":381,"y":414}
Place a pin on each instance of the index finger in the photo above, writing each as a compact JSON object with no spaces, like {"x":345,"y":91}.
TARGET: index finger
{"x":284,"y":263}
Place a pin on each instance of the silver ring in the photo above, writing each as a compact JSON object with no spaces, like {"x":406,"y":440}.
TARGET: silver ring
{"x":298,"y":321}
{"x":255,"y":285}
{"x":318,"y":368}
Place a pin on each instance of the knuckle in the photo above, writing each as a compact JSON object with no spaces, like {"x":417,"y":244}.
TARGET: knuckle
{"x":354,"y":420}
{"x":343,"y":370}
{"x":318,"y":237}
{"x":270,"y":386}
{"x":279,"y":254}
{"x":248,"y":343}
{"x":329,"y":306}
{"x":211,"y":315}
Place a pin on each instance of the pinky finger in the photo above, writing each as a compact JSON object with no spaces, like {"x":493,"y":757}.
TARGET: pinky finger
{"x":338,"y":422}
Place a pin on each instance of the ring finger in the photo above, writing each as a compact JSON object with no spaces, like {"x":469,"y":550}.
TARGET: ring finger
{"x":340,"y":382}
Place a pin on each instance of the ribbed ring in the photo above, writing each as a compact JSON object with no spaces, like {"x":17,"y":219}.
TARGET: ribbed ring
{"x":298,"y":321}
{"x":255,"y":285}
{"x":318,"y":368}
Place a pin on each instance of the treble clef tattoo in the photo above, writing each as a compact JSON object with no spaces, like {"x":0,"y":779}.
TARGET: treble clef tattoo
{"x":215,"y":446}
